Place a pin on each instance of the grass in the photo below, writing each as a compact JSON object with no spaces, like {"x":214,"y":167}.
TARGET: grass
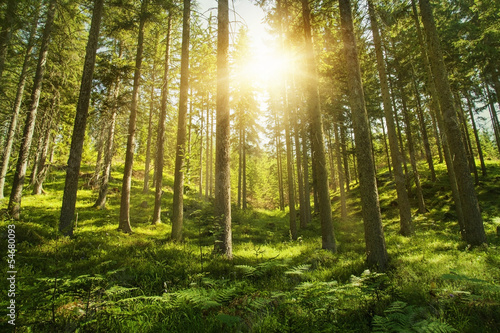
{"x":103,"y":280}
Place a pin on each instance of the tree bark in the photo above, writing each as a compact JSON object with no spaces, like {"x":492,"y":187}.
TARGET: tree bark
{"x":17,"y":102}
{"x":474,"y":229}
{"x":14,"y":206}
{"x":78,"y":137}
{"x":124,"y":222}
{"x":405,"y":220}
{"x":340,"y":171}
{"x":178,"y":200}
{"x":160,"y":139}
{"x":374,"y":235}
{"x":224,"y":244}
{"x":6,"y":32}
{"x":317,"y":141}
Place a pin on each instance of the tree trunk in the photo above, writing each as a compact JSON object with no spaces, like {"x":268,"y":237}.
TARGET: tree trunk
{"x":343,"y":201}
{"x":405,"y":221}
{"x":374,"y":235}
{"x":476,"y":136}
{"x":224,"y":244}
{"x":22,"y":160}
{"x":423,"y":129}
{"x":17,"y":103}
{"x":474,"y":229}
{"x":109,"y":142}
{"x":466,"y":137}
{"x":493,"y":115}
{"x":160,"y":139}
{"x":178,"y":202}
{"x":317,"y":141}
{"x":282,"y":9}
{"x":345,"y":154}
{"x":124,"y":222}
{"x":147,"y":165}
{"x":305,"y":163}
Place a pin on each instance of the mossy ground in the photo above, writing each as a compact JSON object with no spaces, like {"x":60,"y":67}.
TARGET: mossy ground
{"x":104,"y":280}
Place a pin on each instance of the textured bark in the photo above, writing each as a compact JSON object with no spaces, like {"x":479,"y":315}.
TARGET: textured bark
{"x":124,"y":221}
{"x":386,"y":148}
{"x":374,"y":235}
{"x":317,"y":141}
{"x":474,"y":229}
{"x":78,"y":137}
{"x":466,"y":137}
{"x":405,"y":220}
{"x":178,"y":203}
{"x":224,"y":245}
{"x":14,"y":206}
{"x":345,"y":155}
{"x":435,"y":108}
{"x":305,"y":167}
{"x":17,"y":102}
{"x":300,"y":173}
{"x":160,"y":139}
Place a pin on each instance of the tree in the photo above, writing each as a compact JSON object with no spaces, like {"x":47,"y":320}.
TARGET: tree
{"x":29,"y":125}
{"x":317,"y":140}
{"x":78,"y":137}
{"x":178,"y":206}
{"x":474,"y":229}
{"x":374,"y":235}
{"x":18,"y":100}
{"x":405,"y":222}
{"x":224,"y":245}
{"x":124,"y":223}
{"x":160,"y":139}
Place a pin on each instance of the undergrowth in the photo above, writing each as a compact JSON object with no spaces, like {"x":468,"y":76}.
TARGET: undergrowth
{"x":102,"y":280}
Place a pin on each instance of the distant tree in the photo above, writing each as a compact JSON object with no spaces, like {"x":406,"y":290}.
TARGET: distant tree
{"x":18,"y":99}
{"x":160,"y":139}
{"x":178,"y":200}
{"x":29,"y":126}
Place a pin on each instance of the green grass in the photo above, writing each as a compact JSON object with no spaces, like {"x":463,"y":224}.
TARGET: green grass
{"x":102,"y":280}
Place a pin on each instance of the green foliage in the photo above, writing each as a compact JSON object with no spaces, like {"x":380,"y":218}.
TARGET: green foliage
{"x":400,"y":317}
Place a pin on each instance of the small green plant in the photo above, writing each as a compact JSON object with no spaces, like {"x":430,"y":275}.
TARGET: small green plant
{"x":400,"y":317}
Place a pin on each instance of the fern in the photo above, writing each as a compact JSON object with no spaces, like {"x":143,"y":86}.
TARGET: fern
{"x":298,"y":270}
{"x":400,"y":317}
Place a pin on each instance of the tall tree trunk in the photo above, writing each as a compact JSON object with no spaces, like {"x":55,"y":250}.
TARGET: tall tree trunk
{"x":244,"y":171}
{"x":466,"y":137}
{"x":317,"y":141}
{"x":200,"y":172}
{"x":109,"y":143}
{"x":147,"y":165}
{"x":474,"y":229}
{"x":224,"y":244}
{"x":493,"y":115}
{"x":279,"y":165}
{"x":374,"y":234}
{"x":476,"y":136}
{"x":29,"y":126}
{"x":282,"y":8}
{"x":345,"y":155}
{"x":431,"y":88}
{"x":17,"y":103}
{"x":405,"y":220}
{"x":78,"y":137}
{"x":160,"y":139}
{"x":124,"y":222}
{"x":47,"y":126}
{"x":300,"y":171}
{"x":207,"y":150}
{"x":178,"y":202}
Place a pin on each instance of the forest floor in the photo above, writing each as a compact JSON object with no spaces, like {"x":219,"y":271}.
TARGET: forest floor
{"x":102,"y":280}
